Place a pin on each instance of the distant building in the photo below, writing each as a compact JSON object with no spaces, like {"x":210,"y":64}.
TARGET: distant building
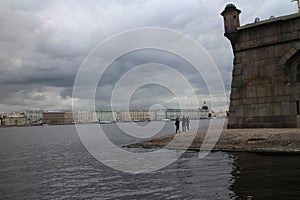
{"x":191,"y":113}
{"x":54,"y":118}
{"x":68,"y":118}
{"x":1,"y":120}
{"x":85,"y":117}
{"x":34,"y":117}
{"x":106,"y":115}
{"x":136,"y":115}
{"x":14,"y":120}
{"x":221,"y":114}
{"x":205,"y":106}
{"x":265,"y":89}
{"x":160,"y":114}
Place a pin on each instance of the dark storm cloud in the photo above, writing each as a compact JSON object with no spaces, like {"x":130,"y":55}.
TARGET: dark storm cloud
{"x":43,"y":43}
{"x":126,"y":62}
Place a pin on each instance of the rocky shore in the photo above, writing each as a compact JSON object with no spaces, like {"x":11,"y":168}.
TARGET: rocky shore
{"x":244,"y":140}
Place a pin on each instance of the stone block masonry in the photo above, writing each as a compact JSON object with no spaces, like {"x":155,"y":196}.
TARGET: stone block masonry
{"x":265,"y":90}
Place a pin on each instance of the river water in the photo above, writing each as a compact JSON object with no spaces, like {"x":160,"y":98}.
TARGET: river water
{"x":52,"y":163}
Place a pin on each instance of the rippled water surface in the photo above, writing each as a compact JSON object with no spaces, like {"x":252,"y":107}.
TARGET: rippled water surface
{"x":51,"y":163}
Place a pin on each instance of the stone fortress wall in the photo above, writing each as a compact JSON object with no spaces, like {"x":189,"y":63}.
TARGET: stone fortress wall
{"x":265,"y":90}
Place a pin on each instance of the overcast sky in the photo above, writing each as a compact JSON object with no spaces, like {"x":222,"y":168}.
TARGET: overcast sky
{"x":44,"y":42}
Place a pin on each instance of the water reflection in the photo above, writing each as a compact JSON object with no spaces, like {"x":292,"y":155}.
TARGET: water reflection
{"x":51,"y":163}
{"x":265,"y":176}
{"x":207,"y":178}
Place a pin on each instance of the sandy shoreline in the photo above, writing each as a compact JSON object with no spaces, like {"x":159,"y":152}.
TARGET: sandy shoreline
{"x":244,"y":140}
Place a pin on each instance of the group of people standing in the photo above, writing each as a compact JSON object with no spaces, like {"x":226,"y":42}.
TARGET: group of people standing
{"x":185,"y":123}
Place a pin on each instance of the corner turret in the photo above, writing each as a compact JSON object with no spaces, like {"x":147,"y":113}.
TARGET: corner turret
{"x":231,"y":21}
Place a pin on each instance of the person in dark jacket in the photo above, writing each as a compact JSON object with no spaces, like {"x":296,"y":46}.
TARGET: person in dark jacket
{"x":177,"y":122}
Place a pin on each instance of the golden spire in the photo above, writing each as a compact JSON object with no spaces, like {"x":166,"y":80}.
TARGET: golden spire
{"x":298,"y":1}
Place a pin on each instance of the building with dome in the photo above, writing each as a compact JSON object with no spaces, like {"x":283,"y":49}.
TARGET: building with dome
{"x":265,"y":89}
{"x":205,"y":106}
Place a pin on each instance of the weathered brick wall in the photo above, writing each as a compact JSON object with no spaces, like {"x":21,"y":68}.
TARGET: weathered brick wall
{"x":261,"y":94}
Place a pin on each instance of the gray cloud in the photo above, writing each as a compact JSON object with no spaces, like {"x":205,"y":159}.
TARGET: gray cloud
{"x":43,"y":43}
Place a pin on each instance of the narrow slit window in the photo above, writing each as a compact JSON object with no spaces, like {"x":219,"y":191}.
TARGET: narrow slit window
{"x":298,"y":107}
